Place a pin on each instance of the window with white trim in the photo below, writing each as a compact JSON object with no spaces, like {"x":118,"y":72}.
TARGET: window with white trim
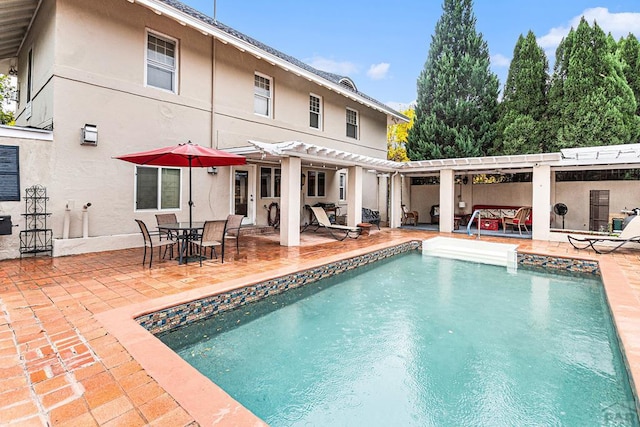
{"x":315,"y":111}
{"x":270,"y":182}
{"x":162,"y":60}
{"x":316,"y":184}
{"x":342,"y":189}
{"x":157,"y":188}
{"x":352,"y":123}
{"x":262,"y":95}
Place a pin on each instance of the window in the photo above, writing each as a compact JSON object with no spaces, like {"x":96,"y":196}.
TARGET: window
{"x":161,"y":62}
{"x":352,"y":123}
{"x":316,"y":184}
{"x":270,"y":181}
{"x":262,"y":95}
{"x":9,"y":173}
{"x":315,"y":111}
{"x":343,"y":187}
{"x":29,"y":75}
{"x":157,"y":188}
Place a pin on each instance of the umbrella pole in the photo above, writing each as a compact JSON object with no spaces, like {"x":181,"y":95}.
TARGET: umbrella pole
{"x":190,"y":200}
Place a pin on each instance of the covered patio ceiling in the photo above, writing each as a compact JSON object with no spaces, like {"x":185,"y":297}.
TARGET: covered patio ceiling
{"x":16,"y":17}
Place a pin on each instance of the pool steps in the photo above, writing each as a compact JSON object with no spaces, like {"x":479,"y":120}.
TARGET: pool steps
{"x":501,"y":254}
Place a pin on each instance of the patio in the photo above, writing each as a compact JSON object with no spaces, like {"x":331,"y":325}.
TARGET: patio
{"x":59,"y":366}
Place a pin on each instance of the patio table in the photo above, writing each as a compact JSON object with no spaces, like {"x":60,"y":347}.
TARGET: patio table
{"x":186,"y":232}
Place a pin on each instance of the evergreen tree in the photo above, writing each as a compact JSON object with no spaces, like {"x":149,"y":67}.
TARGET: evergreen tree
{"x":457,"y":93}
{"x":590,"y":99}
{"x":629,"y":53}
{"x":521,"y":126}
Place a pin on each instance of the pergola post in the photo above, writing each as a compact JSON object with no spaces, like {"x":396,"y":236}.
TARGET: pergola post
{"x":446,"y":200}
{"x":290,"y":201}
{"x":541,"y":202}
{"x":354,"y":196}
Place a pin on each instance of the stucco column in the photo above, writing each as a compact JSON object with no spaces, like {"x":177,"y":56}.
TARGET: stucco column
{"x":354,"y":195}
{"x":290,"y":202}
{"x":446,"y":200}
{"x":395,"y":210}
{"x":541,"y":202}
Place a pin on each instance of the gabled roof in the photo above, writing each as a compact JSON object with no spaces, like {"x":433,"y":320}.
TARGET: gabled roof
{"x":187,"y":15}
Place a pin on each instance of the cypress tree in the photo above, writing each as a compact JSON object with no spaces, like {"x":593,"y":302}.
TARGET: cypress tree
{"x":521,"y":126}
{"x":457,"y":93}
{"x":589,"y":97}
{"x":629,"y":53}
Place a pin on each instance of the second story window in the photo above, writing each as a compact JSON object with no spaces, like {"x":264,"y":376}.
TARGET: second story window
{"x":161,"y":62}
{"x":352,"y":123}
{"x":315,"y":111}
{"x":262,"y":95}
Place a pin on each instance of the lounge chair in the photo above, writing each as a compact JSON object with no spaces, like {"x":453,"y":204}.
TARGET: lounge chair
{"x":151,"y":241}
{"x":630,"y":234}
{"x":519,"y":220}
{"x":341,"y":231}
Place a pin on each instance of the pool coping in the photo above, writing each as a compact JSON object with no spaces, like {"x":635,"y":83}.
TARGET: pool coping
{"x":208,"y":404}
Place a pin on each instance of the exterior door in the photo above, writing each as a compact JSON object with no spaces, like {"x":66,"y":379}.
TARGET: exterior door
{"x":244,"y":190}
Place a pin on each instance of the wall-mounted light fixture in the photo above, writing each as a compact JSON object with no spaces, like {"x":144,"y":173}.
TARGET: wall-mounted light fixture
{"x":212,"y":170}
{"x":89,"y":135}
{"x":13,"y":71}
{"x":465,"y":180}
{"x":303,"y":180}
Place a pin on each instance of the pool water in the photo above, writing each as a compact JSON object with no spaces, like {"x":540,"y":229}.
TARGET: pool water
{"x":421,"y":341}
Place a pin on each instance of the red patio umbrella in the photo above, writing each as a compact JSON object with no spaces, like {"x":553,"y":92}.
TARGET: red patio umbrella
{"x":185,"y":155}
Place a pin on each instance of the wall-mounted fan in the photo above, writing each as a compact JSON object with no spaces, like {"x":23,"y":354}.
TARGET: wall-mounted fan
{"x":560,"y":209}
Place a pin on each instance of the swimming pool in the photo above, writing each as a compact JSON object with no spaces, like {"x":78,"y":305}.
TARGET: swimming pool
{"x":420,"y":341}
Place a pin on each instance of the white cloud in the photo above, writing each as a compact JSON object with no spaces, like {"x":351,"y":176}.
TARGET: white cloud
{"x":378,"y":71}
{"x":344,"y":68}
{"x":499,"y":60}
{"x":618,"y":24}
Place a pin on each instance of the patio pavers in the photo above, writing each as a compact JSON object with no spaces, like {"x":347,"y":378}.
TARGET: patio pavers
{"x":58,"y":364}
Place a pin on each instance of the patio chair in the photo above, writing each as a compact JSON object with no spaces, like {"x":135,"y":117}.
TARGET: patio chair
{"x":630,"y":234}
{"x":168,"y":218}
{"x":151,"y":241}
{"x":519,"y":220}
{"x":234,"y":222}
{"x":341,"y":231}
{"x":408,"y":215}
{"x":212,"y":236}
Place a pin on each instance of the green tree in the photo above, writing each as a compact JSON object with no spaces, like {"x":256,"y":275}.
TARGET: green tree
{"x":521,"y":126}
{"x":457,"y":93}
{"x":590,"y":100}
{"x":397,"y":138}
{"x":629,"y":53}
{"x":6,"y":117}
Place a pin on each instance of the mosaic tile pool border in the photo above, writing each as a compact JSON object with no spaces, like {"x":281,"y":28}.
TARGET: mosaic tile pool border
{"x":182,"y":314}
{"x":186,"y":313}
{"x":558,"y":264}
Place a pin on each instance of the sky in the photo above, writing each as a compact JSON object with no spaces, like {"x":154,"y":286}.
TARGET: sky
{"x":383,"y":45}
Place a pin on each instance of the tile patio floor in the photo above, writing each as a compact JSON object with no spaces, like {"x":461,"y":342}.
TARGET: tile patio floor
{"x":59,"y":366}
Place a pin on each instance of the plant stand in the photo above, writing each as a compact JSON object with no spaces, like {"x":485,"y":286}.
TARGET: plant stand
{"x":36,"y":237}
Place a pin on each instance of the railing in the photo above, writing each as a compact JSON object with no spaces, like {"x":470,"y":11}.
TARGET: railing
{"x":475,"y":213}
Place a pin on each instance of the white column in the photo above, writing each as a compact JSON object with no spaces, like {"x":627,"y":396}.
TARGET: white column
{"x":354,"y":195}
{"x":290,"y":202}
{"x":395,"y":214}
{"x":541,"y":202}
{"x":446,"y":200}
